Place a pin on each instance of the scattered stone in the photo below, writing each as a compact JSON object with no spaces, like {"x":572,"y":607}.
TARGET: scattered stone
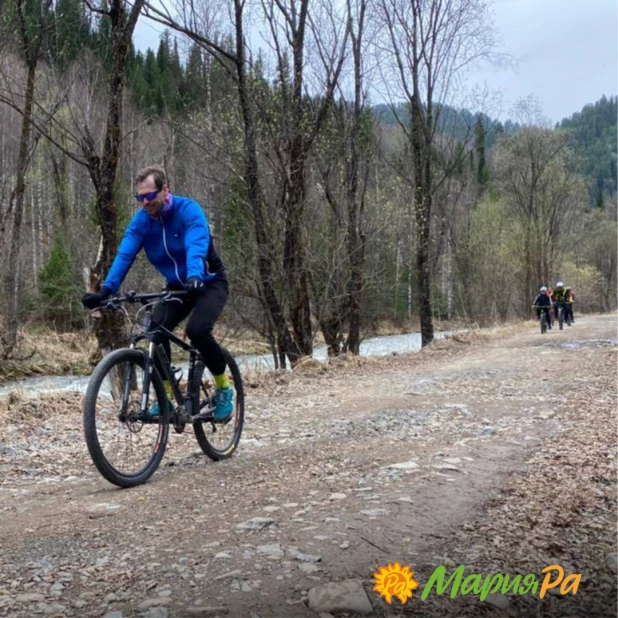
{"x":246,"y":587}
{"x":221,"y":554}
{"x":52,"y":608}
{"x":337,"y":496}
{"x":293,"y":552}
{"x":404,"y":465}
{"x":156,"y":612}
{"x":204,"y":611}
{"x":611,"y":560}
{"x":345,"y":596}
{"x":271,"y":509}
{"x":228,"y":574}
{"x":30,"y":597}
{"x":497,"y":600}
{"x":257,"y":523}
{"x":446,"y":466}
{"x":344,"y":545}
{"x":452,"y":460}
{"x":148,"y":603}
{"x":102,"y":509}
{"x":114,"y":614}
{"x":274,"y":550}
{"x":308,"y":567}
{"x":375,"y":512}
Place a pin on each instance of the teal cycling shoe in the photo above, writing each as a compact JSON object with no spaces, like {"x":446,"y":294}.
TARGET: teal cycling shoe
{"x":154,"y":408}
{"x":224,"y":402}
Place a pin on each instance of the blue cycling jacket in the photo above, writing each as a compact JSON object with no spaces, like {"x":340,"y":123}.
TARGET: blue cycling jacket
{"x":178,"y":244}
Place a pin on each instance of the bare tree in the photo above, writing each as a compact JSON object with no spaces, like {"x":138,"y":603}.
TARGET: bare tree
{"x":101,"y":161}
{"x":534,"y":172}
{"x":347,"y":145}
{"x":429,"y":43}
{"x":103,"y":165}
{"x":31,"y":28}
{"x":193,"y":24}
{"x":296,"y":126}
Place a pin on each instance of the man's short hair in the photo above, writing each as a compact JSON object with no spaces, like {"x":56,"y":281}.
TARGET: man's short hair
{"x":158,"y":174}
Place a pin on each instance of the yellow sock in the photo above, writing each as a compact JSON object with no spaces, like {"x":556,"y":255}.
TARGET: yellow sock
{"x":222,"y":381}
{"x":168,"y":390}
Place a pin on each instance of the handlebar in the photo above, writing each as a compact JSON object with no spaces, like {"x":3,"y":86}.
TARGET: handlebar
{"x":144,"y":299}
{"x":134,"y":297}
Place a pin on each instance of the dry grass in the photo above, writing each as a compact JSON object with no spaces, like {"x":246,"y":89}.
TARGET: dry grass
{"x":46,"y":352}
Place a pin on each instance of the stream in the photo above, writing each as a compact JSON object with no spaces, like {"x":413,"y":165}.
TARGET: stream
{"x":375,"y":346}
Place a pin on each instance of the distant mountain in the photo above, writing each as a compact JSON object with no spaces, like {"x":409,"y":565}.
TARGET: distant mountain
{"x":458,"y":123}
{"x":594,"y":135}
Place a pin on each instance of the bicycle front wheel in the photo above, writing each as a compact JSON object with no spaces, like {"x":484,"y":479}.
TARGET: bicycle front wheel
{"x":219,"y":440}
{"x":125,"y":448}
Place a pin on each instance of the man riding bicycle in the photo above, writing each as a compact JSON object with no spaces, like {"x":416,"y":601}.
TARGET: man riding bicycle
{"x":560,"y":298}
{"x":543,"y":303}
{"x":175,"y":235}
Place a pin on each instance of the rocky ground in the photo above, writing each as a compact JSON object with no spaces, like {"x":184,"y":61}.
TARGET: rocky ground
{"x":494,"y":451}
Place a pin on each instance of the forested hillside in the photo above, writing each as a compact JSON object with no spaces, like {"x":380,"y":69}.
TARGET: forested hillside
{"x":594,"y":139}
{"x":330,"y":212}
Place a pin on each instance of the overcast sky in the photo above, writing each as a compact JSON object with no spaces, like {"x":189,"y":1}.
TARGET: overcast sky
{"x":567,"y":51}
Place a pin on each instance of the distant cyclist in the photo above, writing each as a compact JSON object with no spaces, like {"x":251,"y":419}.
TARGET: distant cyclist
{"x":570,"y":299}
{"x":560,"y":297}
{"x":543,"y":303}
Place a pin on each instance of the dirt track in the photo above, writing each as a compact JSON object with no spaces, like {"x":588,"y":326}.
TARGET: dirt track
{"x":466,"y":421}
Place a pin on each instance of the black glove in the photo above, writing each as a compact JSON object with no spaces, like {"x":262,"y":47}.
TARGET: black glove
{"x":194,"y":286}
{"x":92,"y":301}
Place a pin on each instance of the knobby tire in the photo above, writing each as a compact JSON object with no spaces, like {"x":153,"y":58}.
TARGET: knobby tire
{"x":107,"y":470}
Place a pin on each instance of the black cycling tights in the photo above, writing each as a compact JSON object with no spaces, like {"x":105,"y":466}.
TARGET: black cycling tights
{"x":204,"y":310}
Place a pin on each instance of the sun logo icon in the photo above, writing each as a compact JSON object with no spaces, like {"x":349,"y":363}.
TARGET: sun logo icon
{"x":395,"y":581}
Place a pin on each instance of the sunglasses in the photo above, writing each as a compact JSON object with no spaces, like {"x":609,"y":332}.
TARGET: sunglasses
{"x":140,"y":197}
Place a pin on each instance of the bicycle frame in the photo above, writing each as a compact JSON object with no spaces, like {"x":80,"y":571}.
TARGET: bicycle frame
{"x":157,"y":351}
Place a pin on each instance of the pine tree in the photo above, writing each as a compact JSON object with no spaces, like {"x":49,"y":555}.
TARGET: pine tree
{"x":59,"y":286}
{"x":482,"y":171}
{"x":71,"y":32}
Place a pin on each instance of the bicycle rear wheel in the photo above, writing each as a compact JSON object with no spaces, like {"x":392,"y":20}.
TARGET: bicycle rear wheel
{"x":218,"y":440}
{"x":125,"y":448}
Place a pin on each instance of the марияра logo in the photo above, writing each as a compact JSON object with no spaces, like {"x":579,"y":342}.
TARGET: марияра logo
{"x":397,"y":581}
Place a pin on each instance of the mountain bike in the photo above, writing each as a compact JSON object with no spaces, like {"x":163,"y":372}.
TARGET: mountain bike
{"x":118,"y":422}
{"x":542,"y":319}
{"x":563,"y":315}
